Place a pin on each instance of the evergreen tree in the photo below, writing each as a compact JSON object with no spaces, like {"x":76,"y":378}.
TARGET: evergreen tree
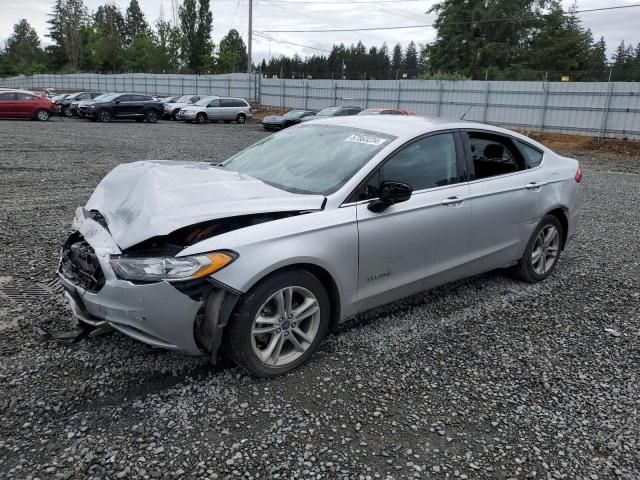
{"x":169,"y":41}
{"x":110,"y":28}
{"x":410,"y":62}
{"x":232,"y":53}
{"x":196,"y":23}
{"x":396,"y":61}
{"x":65,"y":25}
{"x":22,"y":51}
{"x":136,"y":24}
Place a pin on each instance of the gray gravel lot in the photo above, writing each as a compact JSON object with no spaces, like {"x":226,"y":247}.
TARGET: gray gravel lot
{"x":485,"y":378}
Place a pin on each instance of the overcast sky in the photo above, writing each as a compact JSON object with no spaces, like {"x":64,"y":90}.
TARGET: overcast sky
{"x":615,"y":25}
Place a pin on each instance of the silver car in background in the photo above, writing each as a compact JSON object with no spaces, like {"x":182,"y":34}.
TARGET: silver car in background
{"x":212,"y":109}
{"x":260,"y":256}
{"x":171,"y":109}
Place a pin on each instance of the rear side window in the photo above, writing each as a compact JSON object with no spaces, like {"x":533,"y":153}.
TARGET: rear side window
{"x":24,"y":96}
{"x":7,"y":97}
{"x":532,"y":156}
{"x":232,"y":102}
{"x":494,"y":155}
{"x":139,"y":98}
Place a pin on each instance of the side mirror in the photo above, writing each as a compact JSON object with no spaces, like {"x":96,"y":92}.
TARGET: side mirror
{"x":391,"y":192}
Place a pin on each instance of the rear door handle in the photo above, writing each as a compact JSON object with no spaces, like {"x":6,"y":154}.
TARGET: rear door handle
{"x":452,"y":201}
{"x":536,"y":186}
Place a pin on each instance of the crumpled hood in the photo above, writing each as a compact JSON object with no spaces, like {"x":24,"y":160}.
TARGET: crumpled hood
{"x":145,"y":199}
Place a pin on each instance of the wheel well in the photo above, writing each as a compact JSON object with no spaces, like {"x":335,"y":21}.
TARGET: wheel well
{"x":329,"y":284}
{"x":560,"y":214}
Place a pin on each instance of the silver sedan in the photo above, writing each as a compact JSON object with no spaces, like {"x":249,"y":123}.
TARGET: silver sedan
{"x":260,"y":256}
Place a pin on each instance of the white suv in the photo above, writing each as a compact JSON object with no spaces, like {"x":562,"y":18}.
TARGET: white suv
{"x":217,"y":108}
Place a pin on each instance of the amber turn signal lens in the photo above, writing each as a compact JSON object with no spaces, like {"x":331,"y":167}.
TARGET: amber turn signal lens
{"x":218,"y":260}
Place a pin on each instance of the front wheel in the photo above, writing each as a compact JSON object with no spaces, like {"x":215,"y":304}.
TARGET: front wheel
{"x":66,"y":112}
{"x":241,"y":118}
{"x":151,"y":116}
{"x":543,"y":250}
{"x":104,"y":116}
{"x":201,"y":118}
{"x":279,"y":324}
{"x":42,"y":115}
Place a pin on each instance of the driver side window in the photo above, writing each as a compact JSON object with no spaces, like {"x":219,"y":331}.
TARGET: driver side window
{"x":427,"y":163}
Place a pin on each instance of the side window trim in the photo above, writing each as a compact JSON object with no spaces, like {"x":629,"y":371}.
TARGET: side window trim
{"x":460,"y":163}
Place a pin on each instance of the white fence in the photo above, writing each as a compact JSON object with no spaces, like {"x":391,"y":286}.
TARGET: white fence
{"x":596,"y":109}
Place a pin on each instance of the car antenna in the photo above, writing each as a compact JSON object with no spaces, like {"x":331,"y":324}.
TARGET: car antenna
{"x":465,"y":112}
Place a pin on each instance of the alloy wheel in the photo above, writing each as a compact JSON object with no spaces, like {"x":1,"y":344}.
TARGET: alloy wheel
{"x":285,"y":326}
{"x":68,"y":113}
{"x":152,"y":117}
{"x":43,"y":115}
{"x":545,"y":250}
{"x":242,"y":118}
{"x":105,"y":116}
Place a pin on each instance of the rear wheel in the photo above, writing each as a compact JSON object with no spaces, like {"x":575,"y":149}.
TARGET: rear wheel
{"x":241,"y":118}
{"x":201,"y":118}
{"x":104,"y":116}
{"x":543,"y":250}
{"x":66,"y":112}
{"x":151,"y":116}
{"x":42,"y":115}
{"x":279,"y":324}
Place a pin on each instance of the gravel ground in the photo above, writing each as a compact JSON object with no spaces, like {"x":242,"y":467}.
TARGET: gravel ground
{"x":484,"y":378}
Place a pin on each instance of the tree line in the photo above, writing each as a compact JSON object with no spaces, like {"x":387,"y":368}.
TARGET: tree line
{"x":476,"y":39}
{"x":111,"y":41}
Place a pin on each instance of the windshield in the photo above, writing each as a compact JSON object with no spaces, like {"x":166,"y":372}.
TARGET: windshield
{"x":108,"y":98}
{"x":294,"y":114}
{"x":328,"y":112}
{"x":203,"y":101}
{"x":315,"y":159}
{"x":183,"y":99}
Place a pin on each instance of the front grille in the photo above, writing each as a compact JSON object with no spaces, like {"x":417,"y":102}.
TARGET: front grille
{"x":79,"y":264}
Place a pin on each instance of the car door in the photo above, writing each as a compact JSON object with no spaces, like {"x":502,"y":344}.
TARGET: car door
{"x":8,"y":104}
{"x":418,"y":243}
{"x":213,"y":109}
{"x":27,"y":105}
{"x":120,"y":105}
{"x":505,"y":196}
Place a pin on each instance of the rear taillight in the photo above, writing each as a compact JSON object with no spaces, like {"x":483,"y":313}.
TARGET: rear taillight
{"x":578,"y":176}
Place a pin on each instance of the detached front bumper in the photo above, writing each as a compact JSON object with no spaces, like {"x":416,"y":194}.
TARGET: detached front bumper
{"x":154,"y":313}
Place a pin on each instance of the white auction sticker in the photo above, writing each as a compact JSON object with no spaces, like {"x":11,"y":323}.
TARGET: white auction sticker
{"x":366,"y":139}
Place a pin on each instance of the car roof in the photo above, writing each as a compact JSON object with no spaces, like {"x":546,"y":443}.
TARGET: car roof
{"x":16,"y":90}
{"x":406,"y":127}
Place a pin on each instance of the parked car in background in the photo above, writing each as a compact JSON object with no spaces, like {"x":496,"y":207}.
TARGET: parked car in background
{"x":25,"y":104}
{"x":64,"y":104}
{"x":266,"y":252}
{"x":164,"y":100}
{"x":334,"y":112}
{"x":171,"y":109}
{"x":278,"y":122}
{"x":59,"y":98}
{"x":385,"y":111}
{"x":75,"y":107}
{"x":212,"y":109}
{"x":134,"y":106}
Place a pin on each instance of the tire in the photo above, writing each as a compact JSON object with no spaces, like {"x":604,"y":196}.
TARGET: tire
{"x":201,"y":118}
{"x":287,"y":124}
{"x":257,"y":353}
{"x":174,"y":115}
{"x":42,"y":115}
{"x":66,"y":112}
{"x":241,"y":118}
{"x":151,"y":116}
{"x":543,"y":247}
{"x":104,"y":116}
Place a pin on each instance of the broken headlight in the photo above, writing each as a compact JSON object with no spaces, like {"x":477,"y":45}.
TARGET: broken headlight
{"x":155,"y":269}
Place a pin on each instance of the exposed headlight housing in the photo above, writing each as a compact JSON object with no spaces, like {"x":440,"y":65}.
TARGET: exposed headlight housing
{"x":170,"y":269}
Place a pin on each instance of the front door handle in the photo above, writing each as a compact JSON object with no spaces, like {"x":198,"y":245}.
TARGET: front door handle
{"x":535,"y":186}
{"x":452,"y":201}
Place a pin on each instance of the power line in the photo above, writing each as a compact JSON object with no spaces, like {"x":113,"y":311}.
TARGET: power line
{"x":426,"y":25}
{"x":259,"y":34}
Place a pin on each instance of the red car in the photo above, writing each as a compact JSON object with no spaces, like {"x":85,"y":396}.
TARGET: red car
{"x":22,"y":104}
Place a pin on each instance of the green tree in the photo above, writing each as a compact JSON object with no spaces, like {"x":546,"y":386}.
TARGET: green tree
{"x":169,"y":41}
{"x":410,"y":62}
{"x":196,"y":23}
{"x":65,"y":25}
{"x":135,"y":22}
{"x":109,"y":38}
{"x":232,"y":53}
{"x":397,"y":60}
{"x":22,"y":52}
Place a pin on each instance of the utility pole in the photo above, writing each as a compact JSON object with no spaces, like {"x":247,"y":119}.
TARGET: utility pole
{"x":250,"y":35}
